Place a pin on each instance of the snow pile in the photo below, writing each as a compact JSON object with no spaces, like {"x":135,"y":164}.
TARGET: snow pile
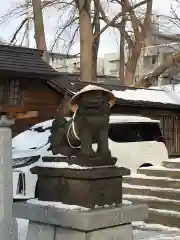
{"x":156,"y":96}
{"x":161,"y":168}
{"x":60,"y":165}
{"x":142,"y":176}
{"x":155,"y":227}
{"x":58,"y":205}
{"x":166,"y":212}
{"x":150,"y":198}
{"x":127,"y":185}
{"x":173,"y":160}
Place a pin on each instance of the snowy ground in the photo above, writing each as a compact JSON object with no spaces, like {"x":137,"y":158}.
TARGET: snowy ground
{"x":148,"y":232}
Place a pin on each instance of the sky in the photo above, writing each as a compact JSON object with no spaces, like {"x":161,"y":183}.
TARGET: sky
{"x":109,"y":39}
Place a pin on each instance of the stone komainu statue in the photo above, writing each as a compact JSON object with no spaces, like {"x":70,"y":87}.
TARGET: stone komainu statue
{"x":89,"y":124}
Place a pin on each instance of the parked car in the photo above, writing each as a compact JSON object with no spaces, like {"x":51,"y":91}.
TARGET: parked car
{"x":135,"y":141}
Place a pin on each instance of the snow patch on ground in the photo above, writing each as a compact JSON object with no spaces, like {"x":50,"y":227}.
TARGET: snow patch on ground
{"x":143,"y":176}
{"x":150,"y":198}
{"x":173,"y":160}
{"x":155,"y":227}
{"x":126,"y":185}
{"x":165,"y":212}
{"x":161,"y":168}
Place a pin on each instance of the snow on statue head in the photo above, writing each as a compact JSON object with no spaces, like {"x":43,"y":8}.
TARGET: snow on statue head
{"x":89,"y":124}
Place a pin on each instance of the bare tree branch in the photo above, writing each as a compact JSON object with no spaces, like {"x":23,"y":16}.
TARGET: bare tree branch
{"x":18,"y":30}
{"x":109,"y":23}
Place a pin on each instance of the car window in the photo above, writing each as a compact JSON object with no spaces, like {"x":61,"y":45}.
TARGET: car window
{"x":134,"y":132}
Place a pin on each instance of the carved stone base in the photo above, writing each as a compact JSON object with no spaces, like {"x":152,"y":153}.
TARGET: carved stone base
{"x":83,"y":187}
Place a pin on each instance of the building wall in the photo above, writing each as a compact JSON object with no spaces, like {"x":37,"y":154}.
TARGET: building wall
{"x":72,"y":65}
{"x":39,"y":102}
{"x":150,"y":58}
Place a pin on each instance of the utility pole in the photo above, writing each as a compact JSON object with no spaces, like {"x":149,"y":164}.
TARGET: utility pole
{"x":121,"y":50}
{"x":39,"y":28}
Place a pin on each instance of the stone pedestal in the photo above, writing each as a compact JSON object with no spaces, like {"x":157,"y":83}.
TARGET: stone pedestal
{"x":83,"y":187}
{"x":50,"y":221}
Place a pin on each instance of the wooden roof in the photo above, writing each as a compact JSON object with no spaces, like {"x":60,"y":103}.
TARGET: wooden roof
{"x":22,"y":61}
{"x":71,"y":85}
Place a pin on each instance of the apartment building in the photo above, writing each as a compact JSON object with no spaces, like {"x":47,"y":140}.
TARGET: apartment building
{"x":72,"y":64}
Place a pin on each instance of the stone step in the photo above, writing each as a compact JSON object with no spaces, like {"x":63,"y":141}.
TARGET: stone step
{"x":153,"y":202}
{"x":141,"y":179}
{"x":160,"y":172}
{"x":173,"y":163}
{"x":167,"y":193}
{"x":164,"y":217}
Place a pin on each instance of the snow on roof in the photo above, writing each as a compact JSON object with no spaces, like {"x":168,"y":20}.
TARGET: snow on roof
{"x":147,"y":95}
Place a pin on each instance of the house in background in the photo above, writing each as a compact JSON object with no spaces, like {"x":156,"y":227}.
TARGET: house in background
{"x":24,"y":92}
{"x":163,"y":105}
{"x":150,"y":58}
{"x":27,"y":90}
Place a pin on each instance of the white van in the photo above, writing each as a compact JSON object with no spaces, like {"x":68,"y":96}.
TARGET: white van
{"x":135,"y":141}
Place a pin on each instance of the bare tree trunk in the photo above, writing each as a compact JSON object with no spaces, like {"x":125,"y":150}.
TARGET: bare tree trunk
{"x":86,"y":40}
{"x":39,"y":27}
{"x":122,"y":61}
{"x":94,"y":60}
{"x":131,"y":64}
{"x":96,"y":32}
{"x":121,"y":50}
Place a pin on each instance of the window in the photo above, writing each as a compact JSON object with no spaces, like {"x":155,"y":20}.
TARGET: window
{"x":134,"y":132}
{"x":10,"y":92}
{"x":2,"y":85}
{"x":13,"y":92}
